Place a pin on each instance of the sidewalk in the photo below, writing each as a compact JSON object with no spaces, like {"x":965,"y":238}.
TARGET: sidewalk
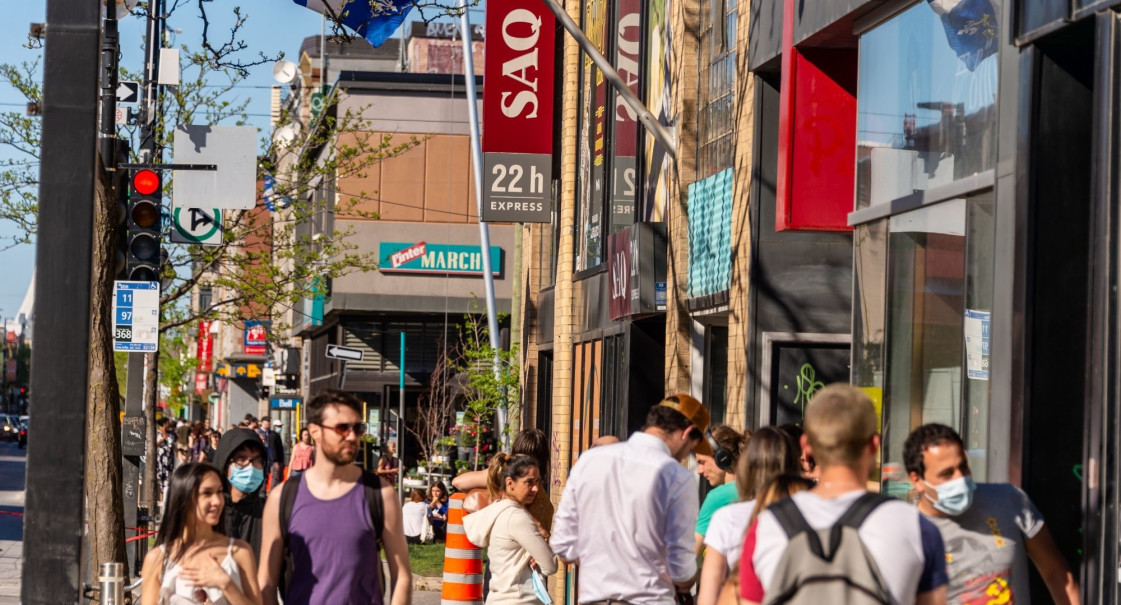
{"x":11,"y":566}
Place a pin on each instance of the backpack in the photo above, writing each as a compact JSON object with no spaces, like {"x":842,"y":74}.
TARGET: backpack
{"x":371,"y":484}
{"x":839,"y":571}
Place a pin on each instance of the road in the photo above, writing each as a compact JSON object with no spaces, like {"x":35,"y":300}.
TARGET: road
{"x":12,"y":464}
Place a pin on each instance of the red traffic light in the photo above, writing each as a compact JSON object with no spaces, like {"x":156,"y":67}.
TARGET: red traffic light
{"x":145,"y":182}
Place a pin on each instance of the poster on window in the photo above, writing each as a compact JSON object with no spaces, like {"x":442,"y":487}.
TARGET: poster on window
{"x":976,"y":328}
{"x":657,"y":164}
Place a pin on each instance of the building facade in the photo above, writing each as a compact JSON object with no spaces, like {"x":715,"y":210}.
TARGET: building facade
{"x":917,"y":197}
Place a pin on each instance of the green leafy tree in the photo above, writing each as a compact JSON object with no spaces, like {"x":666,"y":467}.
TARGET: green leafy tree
{"x":491,"y":382}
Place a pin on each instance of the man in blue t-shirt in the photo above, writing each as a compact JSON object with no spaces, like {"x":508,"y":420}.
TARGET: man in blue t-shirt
{"x":990,"y":529}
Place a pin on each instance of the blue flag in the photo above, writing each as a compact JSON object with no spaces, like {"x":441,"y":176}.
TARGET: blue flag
{"x":374,"y":20}
{"x":971,"y":28}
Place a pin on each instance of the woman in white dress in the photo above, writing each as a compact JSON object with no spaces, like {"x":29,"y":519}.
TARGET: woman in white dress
{"x":195,"y":563}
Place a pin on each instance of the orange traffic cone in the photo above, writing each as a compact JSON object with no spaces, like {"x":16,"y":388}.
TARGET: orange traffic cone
{"x":463,"y":561}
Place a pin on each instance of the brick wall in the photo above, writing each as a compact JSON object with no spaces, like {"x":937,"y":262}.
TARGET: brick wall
{"x":738,"y":336}
{"x":684,"y":25}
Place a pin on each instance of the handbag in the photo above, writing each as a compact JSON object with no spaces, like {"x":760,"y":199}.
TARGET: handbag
{"x":427,"y":533}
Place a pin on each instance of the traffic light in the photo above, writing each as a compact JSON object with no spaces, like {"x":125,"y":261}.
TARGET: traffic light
{"x":143,"y":238}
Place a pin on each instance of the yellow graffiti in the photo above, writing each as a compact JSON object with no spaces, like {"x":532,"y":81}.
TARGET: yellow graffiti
{"x":999,"y":591}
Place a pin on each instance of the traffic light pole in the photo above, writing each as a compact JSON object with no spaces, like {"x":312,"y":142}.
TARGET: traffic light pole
{"x":138,"y":403}
{"x":53,"y":519}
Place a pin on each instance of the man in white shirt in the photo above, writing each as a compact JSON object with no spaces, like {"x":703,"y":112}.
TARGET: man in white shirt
{"x":628,"y":510}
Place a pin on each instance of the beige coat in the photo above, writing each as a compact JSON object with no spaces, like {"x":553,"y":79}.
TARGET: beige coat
{"x":511,"y":537}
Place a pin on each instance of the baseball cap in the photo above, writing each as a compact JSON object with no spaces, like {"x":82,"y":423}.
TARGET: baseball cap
{"x":695,"y":412}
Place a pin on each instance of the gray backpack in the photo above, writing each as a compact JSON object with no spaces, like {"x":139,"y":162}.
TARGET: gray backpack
{"x":829,"y":565}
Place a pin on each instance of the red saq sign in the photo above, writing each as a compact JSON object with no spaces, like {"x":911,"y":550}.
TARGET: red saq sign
{"x":518,"y":96}
{"x":518,"y":112}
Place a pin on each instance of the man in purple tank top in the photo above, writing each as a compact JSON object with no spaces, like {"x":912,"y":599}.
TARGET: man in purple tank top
{"x":331,"y":544}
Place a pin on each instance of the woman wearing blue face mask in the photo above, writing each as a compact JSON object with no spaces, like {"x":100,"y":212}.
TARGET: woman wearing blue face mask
{"x":241,"y":458}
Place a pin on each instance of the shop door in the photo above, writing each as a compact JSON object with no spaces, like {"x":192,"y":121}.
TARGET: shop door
{"x":1070,"y":311}
{"x":1099,"y":470}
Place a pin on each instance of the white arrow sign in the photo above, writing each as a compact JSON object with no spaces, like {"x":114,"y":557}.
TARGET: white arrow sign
{"x":346,"y":353}
{"x":128,"y":93}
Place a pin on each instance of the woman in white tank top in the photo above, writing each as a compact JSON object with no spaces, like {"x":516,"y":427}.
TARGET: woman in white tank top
{"x":195,"y":563}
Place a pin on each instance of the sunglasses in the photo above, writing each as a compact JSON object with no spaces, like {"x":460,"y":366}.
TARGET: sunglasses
{"x":344,"y":429}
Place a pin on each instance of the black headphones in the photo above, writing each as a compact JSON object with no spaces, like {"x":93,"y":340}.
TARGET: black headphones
{"x":723,"y":458}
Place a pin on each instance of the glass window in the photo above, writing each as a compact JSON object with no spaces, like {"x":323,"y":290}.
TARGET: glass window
{"x":938,"y":306}
{"x":870,"y":275}
{"x":592,"y":144}
{"x":926,"y":101}
{"x":715,"y":145}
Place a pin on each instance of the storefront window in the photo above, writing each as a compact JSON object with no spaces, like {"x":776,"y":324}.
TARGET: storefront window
{"x":938,"y":309}
{"x":870,"y":275}
{"x":716,"y":117}
{"x":926,"y":102}
{"x":592,"y":143}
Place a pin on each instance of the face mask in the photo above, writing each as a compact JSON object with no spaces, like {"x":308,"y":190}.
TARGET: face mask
{"x":246,"y":478}
{"x":954,"y":496}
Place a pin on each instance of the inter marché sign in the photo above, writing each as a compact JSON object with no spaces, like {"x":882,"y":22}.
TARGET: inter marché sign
{"x":442,"y":259}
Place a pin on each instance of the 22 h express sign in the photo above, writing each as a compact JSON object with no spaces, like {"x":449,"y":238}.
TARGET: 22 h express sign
{"x":518,"y":112}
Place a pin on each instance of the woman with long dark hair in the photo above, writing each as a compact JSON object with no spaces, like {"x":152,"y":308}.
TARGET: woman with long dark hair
{"x":438,"y":510}
{"x":505,"y":528}
{"x":194,"y":562}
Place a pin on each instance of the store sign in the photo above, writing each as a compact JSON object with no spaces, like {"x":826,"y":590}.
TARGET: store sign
{"x":628,"y":39}
{"x":442,"y":259}
{"x":284,"y":403}
{"x":251,"y":371}
{"x":405,"y":255}
{"x":256,"y":337}
{"x":518,"y":112}
{"x":202,"y":382}
{"x":636,"y":264}
{"x":205,"y":347}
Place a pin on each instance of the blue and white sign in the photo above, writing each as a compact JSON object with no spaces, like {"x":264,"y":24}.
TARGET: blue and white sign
{"x":284,"y":403}
{"x":136,"y":316}
{"x":976,"y":327}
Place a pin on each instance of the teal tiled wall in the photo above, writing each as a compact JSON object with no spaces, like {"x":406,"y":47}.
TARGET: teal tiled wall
{"x":710,"y":234}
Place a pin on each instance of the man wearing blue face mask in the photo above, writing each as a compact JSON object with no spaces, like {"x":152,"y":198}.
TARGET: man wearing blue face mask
{"x":990,"y":530}
{"x":241,"y":458}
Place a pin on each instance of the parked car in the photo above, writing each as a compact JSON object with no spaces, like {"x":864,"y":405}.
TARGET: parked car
{"x":9,"y":427}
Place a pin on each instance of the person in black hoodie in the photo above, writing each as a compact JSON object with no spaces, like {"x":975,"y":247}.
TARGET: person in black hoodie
{"x":241,"y":458}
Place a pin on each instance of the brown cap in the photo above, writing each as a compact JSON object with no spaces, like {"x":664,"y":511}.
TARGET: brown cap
{"x":697,"y":414}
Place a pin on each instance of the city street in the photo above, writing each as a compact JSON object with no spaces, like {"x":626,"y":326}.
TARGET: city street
{"x":12,"y":464}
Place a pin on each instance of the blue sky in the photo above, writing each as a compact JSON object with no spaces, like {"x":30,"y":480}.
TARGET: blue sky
{"x":273,"y":26}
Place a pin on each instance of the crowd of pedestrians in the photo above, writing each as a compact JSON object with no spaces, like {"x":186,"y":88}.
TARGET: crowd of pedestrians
{"x":790,"y":516}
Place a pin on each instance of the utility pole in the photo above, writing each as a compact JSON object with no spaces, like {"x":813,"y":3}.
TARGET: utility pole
{"x":68,"y":184}
{"x":140,"y":394}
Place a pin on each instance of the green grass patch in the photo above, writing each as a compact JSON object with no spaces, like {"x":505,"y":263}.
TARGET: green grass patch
{"x":427,"y":559}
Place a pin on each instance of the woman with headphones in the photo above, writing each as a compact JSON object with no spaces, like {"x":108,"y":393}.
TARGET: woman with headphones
{"x":719,"y":470}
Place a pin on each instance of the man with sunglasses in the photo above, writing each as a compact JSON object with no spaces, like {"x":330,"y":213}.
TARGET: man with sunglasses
{"x":628,"y":510}
{"x":327,"y":535}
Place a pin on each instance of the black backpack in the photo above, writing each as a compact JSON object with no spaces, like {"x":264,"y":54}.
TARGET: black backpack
{"x":840,"y":571}
{"x":371,"y":484}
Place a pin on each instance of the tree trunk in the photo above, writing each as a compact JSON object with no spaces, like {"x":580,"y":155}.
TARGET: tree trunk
{"x":105,"y":509}
{"x":150,"y":492}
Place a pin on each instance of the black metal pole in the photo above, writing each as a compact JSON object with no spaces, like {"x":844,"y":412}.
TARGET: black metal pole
{"x":54,"y":517}
{"x":110,"y":54}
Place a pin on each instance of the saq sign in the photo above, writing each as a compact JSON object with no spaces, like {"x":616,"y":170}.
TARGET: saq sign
{"x":518,"y":112}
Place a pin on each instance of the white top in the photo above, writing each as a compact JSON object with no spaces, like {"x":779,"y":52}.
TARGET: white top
{"x":174,"y":592}
{"x":627,"y":515}
{"x":510,"y":535}
{"x":413,"y":514}
{"x":893,"y":534}
{"x":726,"y":530}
